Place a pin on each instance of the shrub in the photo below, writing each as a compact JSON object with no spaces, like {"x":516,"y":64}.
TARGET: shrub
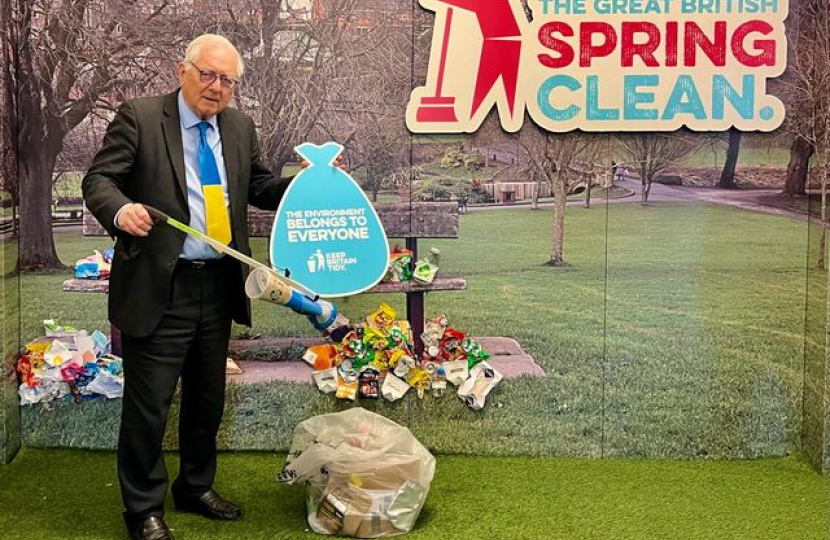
{"x":455,"y":157}
{"x":437,"y":188}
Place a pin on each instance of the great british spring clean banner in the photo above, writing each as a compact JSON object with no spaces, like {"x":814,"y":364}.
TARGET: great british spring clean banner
{"x":603,"y":65}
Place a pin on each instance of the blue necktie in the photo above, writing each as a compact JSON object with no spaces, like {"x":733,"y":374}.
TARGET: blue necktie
{"x":216,"y":213}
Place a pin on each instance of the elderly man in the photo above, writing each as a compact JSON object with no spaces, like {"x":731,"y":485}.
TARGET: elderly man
{"x":173,"y":298}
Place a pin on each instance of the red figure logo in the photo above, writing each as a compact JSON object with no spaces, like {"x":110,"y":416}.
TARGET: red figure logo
{"x":500,"y":59}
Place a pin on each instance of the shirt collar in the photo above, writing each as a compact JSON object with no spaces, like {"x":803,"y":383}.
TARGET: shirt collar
{"x":188,"y":117}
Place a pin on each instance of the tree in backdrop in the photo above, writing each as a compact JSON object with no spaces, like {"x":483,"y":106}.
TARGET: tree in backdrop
{"x":83,"y":57}
{"x":804,"y":88}
{"x":501,"y":152}
{"x":652,"y":154}
{"x":294,"y":52}
{"x":8,"y":105}
{"x":537,"y":176}
{"x":563,"y":160}
{"x":79,"y":148}
{"x":76,"y":56}
{"x":727,"y":175}
{"x":805,"y":92}
{"x":368,"y":99}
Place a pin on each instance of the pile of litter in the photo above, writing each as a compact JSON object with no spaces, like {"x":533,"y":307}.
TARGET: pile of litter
{"x":377,"y":359}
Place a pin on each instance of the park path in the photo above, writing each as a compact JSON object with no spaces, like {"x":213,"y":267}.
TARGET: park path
{"x":747,"y":199}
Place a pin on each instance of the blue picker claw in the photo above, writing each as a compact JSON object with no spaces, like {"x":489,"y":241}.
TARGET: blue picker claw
{"x":321,"y":313}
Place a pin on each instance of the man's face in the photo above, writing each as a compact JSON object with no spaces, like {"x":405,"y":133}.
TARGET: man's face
{"x":207,"y":100}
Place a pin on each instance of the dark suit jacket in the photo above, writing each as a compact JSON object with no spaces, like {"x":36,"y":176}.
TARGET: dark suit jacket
{"x":141,"y":160}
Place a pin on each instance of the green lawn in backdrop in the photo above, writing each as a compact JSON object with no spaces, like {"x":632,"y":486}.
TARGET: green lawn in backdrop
{"x":674,"y":330}
{"x":750,"y":156}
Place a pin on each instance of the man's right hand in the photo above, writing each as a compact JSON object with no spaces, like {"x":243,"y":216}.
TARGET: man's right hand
{"x":134,"y":219}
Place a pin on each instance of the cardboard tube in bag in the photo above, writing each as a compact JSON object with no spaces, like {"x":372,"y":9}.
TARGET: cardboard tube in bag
{"x":264,"y":285}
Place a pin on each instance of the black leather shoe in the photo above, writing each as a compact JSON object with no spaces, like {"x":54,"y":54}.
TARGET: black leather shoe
{"x":149,"y":528}
{"x":209,"y":504}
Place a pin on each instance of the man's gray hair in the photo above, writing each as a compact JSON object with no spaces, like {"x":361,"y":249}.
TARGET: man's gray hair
{"x":194,"y":50}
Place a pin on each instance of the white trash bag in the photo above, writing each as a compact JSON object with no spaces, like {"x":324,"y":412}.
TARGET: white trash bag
{"x":367,"y":476}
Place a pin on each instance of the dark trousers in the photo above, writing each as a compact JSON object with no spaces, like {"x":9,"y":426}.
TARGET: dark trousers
{"x":190,"y":342}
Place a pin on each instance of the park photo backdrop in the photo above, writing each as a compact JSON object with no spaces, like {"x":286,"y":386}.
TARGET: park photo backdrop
{"x":670,"y":286}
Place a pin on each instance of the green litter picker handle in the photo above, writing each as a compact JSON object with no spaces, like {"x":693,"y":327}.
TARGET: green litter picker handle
{"x":159,"y":216}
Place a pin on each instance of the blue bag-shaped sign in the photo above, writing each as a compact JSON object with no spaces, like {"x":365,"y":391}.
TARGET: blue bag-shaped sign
{"x":326,"y":232}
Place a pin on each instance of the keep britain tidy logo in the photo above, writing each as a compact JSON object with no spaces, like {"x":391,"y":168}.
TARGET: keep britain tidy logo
{"x":603,"y":65}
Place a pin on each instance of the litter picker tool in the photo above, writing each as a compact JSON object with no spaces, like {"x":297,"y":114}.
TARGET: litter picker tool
{"x":265,"y":283}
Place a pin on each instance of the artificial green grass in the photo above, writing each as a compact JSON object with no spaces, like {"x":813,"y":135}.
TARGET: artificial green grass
{"x":59,"y":494}
{"x":674,"y":330}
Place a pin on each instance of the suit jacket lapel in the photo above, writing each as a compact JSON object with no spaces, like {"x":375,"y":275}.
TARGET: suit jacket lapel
{"x":230,"y":138}
{"x":171,"y":125}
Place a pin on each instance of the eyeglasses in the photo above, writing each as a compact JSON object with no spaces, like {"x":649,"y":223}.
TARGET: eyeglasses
{"x":207,"y":78}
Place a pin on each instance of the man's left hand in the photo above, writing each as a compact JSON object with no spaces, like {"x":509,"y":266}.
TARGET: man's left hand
{"x":339,"y":162}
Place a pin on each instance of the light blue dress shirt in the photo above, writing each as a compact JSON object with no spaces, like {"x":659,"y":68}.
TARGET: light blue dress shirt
{"x":193,"y":247}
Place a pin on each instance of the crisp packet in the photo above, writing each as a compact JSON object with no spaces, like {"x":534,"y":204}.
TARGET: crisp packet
{"x":30,"y":368}
{"x":424,"y":271}
{"x":400,"y":335}
{"x":93,"y":267}
{"x":375,"y":338}
{"x":39,"y":347}
{"x":418,"y":378}
{"x":382,"y":318}
{"x":434,"y":331}
{"x":364,"y":358}
{"x":474,"y":351}
{"x":347,"y":387}
{"x":450,"y":348}
{"x":399,"y":264}
{"x":111,"y":364}
{"x":321,"y":357}
{"x":369,"y":383}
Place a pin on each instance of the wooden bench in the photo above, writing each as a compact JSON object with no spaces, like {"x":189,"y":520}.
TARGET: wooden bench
{"x":409,"y":222}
